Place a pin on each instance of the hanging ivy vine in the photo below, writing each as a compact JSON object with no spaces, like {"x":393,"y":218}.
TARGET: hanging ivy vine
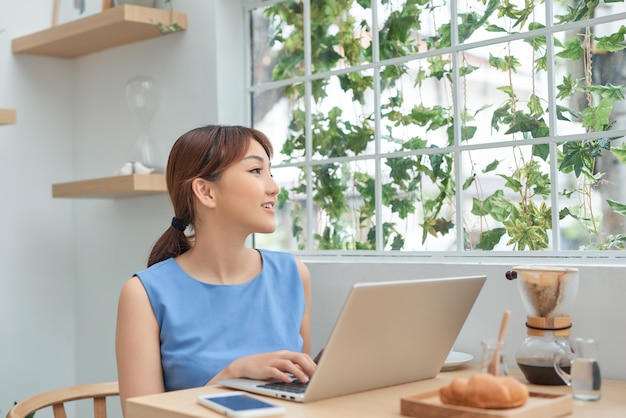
{"x":421,"y":176}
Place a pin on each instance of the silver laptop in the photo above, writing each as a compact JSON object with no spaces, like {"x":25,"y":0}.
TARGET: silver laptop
{"x":388,"y":333}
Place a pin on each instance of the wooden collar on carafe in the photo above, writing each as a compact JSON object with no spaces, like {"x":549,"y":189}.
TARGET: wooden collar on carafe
{"x":559,"y":326}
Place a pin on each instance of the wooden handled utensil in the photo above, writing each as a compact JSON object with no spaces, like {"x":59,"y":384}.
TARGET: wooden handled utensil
{"x":494,"y":364}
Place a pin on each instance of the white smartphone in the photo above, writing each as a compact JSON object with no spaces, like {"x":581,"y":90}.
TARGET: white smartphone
{"x":239,"y":404}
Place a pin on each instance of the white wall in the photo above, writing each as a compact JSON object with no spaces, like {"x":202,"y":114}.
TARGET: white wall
{"x":599,"y":310}
{"x":63,"y":261}
{"x":113,"y":237}
{"x":37,"y":333}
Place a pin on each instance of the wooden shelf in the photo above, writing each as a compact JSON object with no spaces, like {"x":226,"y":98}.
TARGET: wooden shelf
{"x":7,"y":116}
{"x":113,"y":27}
{"x":131,"y":185}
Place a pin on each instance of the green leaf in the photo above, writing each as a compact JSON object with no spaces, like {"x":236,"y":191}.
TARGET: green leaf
{"x":507,"y":63}
{"x":467,"y":69}
{"x":567,"y":87}
{"x":613,"y":42}
{"x":500,"y":115}
{"x":541,"y":63}
{"x":467,"y":132}
{"x":582,"y":11}
{"x":613,"y":242}
{"x":402,"y":207}
{"x":512,"y":183}
{"x":287,"y":65}
{"x":528,"y":123}
{"x":597,"y":118}
{"x":620,"y":153}
{"x":535,"y":26}
{"x":576,"y":157}
{"x":495,"y":205}
{"x":526,"y":236}
{"x":573,"y":50}
{"x":534,"y":105}
{"x":538,"y":41}
{"x":562,"y":110}
{"x":494,"y":28}
{"x":469,"y":181}
{"x":508,"y":90}
{"x":489,"y":239}
{"x":491,"y":166}
{"x":282,"y":198}
{"x":542,"y":151}
{"x":397,"y":243}
{"x":617,"y":206}
{"x":607,"y":91}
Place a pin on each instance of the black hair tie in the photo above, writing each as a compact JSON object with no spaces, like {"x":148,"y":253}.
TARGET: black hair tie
{"x":178,"y":224}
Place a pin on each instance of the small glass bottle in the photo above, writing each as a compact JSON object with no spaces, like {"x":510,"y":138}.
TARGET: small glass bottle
{"x":494,"y":349}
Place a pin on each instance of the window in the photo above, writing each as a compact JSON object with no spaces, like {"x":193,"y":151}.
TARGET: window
{"x":399,"y":129}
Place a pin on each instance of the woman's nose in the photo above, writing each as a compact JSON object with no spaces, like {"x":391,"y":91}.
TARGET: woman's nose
{"x":273,"y":188}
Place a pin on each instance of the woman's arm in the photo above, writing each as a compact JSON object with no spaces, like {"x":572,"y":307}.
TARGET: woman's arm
{"x":305,"y":327}
{"x":137,"y":347}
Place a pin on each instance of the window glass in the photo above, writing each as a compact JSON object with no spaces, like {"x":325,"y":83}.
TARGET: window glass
{"x":401,"y":129}
{"x":276,"y":42}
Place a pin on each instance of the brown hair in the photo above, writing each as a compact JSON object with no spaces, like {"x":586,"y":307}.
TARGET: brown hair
{"x":200,"y":153}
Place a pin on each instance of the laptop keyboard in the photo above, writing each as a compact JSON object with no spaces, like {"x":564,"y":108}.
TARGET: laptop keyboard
{"x":295,"y":386}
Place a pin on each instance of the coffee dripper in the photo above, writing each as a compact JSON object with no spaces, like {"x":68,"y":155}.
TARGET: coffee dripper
{"x":548,"y":295}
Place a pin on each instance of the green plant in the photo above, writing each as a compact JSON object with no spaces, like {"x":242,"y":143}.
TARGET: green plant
{"x":430,"y":139}
{"x":173,"y":26}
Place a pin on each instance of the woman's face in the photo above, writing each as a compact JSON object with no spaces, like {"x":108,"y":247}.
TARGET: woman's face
{"x":246,"y":192}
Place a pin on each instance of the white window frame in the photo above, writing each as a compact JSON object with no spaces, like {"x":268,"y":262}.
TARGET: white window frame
{"x":611,"y":257}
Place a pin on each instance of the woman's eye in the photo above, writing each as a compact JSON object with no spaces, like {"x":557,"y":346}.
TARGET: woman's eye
{"x":256,"y":171}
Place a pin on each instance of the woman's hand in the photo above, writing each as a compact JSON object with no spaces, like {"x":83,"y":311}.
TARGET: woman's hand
{"x":273,"y":365}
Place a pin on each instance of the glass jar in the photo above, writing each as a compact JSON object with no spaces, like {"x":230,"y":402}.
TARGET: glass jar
{"x":493,"y":348}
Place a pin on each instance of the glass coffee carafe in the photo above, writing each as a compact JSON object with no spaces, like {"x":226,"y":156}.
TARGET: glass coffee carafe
{"x":548,"y":295}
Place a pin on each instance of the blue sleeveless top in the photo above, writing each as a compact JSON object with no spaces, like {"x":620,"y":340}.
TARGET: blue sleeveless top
{"x":204,"y":327}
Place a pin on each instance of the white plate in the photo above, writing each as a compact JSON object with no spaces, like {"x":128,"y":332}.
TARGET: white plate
{"x":456,"y":359}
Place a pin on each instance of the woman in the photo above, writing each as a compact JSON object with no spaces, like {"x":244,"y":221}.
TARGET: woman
{"x":208,"y":307}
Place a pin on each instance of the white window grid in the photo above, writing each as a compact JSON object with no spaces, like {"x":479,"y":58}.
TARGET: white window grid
{"x":454,"y":51}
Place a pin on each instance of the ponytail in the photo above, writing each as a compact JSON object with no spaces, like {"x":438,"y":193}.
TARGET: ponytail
{"x":171,"y":244}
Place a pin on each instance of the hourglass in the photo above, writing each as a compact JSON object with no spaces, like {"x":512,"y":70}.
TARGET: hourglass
{"x":142,"y":95}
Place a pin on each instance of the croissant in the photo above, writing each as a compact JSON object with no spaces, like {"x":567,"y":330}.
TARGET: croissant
{"x":484,"y":390}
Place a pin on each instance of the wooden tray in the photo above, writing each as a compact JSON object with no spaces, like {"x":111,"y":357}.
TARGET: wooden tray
{"x":539,"y":405}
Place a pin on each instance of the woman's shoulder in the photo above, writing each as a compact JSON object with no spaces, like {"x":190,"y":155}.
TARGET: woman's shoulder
{"x":157,"y":266}
{"x":284,"y":262}
{"x":160,"y":270}
{"x":276,"y":255}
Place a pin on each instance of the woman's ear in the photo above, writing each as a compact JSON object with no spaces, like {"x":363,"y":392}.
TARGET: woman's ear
{"x":203,"y":190}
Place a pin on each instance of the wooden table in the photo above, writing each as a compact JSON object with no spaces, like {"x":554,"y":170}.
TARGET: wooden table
{"x":380,"y":403}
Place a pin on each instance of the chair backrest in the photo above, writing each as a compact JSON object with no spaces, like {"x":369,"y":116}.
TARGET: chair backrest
{"x":58,"y":397}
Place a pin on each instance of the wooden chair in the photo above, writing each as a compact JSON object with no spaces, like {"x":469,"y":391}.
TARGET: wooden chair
{"x":57,"y":399}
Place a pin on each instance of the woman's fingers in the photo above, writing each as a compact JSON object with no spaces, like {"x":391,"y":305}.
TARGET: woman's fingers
{"x":282,"y":365}
{"x":303,"y":361}
{"x":288,"y":364}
